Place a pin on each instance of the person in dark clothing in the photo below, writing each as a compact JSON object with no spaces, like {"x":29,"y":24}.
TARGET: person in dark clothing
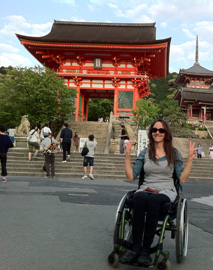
{"x":123,"y":136}
{"x":66,"y":138}
{"x":5,"y":144}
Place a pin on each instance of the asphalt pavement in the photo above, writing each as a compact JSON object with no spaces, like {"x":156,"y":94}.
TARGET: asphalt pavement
{"x":60,"y":224}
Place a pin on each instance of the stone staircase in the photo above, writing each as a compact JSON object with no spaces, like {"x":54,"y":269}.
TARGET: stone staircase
{"x":106,"y":166}
{"x":84,"y":129}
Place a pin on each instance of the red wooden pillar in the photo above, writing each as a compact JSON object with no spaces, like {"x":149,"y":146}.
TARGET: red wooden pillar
{"x":115,"y":100}
{"x":115,"y":84}
{"x":77,"y":100}
{"x":135,"y":97}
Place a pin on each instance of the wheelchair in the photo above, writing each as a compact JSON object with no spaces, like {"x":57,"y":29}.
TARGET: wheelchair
{"x":173,"y":218}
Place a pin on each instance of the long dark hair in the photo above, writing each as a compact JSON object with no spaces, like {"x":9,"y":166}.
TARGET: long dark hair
{"x":168,"y":147}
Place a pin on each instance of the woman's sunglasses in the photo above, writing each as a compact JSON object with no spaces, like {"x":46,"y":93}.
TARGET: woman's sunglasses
{"x":161,"y":130}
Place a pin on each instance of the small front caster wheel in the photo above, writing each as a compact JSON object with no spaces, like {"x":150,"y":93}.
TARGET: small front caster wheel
{"x":163,"y":265}
{"x":113,"y":259}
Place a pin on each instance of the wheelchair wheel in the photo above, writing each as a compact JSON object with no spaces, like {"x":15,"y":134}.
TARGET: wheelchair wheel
{"x":182,"y":230}
{"x":123,"y":224}
{"x":163,"y":265}
{"x":113,"y":259}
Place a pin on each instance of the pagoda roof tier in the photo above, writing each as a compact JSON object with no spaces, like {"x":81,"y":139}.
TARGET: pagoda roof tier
{"x":92,"y":32}
{"x":195,"y":71}
{"x":191,"y":95}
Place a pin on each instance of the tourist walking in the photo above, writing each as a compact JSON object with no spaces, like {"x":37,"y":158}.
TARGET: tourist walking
{"x":5,"y":144}
{"x":12,"y":132}
{"x":33,"y":140}
{"x":76,"y":141}
{"x":211,"y":151}
{"x":45,"y":131}
{"x":89,"y":158}
{"x":123,"y":137}
{"x":66,"y":138}
{"x":199,"y":151}
{"x":48,"y":145}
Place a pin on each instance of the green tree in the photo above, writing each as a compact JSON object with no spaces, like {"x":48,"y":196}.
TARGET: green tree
{"x":38,"y":92}
{"x":145,"y":112}
{"x":170,"y":111}
{"x":161,"y":88}
{"x":5,"y":70}
{"x":99,"y":108}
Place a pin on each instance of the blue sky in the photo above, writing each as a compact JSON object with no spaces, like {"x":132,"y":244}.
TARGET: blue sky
{"x":181,"y":20}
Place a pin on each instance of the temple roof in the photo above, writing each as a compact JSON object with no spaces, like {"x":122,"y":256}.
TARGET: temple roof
{"x":70,"y":38}
{"x":196,"y":69}
{"x":194,"y":94}
{"x":92,"y":32}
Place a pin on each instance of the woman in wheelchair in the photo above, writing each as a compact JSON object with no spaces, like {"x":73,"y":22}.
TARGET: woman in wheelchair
{"x":157,"y":163}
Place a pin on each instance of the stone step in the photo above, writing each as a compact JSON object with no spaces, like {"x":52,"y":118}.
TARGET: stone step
{"x":109,"y":166}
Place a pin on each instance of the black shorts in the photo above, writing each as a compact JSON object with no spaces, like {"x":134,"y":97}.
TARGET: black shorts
{"x":88,"y":160}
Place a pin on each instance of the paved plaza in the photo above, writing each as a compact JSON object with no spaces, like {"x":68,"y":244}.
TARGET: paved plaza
{"x":59,"y":224}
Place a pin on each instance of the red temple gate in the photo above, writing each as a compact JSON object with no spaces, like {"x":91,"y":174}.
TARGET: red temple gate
{"x":103,"y":60}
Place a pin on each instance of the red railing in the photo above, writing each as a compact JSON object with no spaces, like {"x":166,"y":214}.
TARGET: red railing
{"x":99,"y":72}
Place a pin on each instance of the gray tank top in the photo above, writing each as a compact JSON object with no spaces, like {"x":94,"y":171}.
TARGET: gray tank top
{"x":159,"y":177}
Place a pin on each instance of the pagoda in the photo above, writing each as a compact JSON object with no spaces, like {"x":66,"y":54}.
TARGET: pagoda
{"x":103,"y":60}
{"x":195,"y":95}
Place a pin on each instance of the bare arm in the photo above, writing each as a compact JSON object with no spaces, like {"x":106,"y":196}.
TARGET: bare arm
{"x":128,"y":165}
{"x":185,"y":174}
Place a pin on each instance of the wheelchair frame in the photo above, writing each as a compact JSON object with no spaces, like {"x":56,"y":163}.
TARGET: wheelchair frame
{"x":175,"y":221}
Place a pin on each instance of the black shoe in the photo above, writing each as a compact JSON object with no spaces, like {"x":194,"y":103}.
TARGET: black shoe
{"x":129,"y":258}
{"x":144,"y":259}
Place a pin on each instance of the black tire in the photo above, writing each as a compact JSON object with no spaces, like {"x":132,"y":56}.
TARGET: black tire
{"x":163,"y":265}
{"x":123,"y":224}
{"x":113,"y":259}
{"x":182,"y":230}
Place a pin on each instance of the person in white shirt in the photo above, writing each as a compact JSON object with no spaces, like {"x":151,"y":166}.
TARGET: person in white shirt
{"x":12,"y":132}
{"x":44,"y":132}
{"x":33,"y":142}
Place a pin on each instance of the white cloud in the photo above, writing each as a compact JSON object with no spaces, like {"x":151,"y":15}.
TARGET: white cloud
{"x":188,"y":33}
{"x":113,"y":6}
{"x":170,"y":11}
{"x":11,"y":59}
{"x":8,"y":48}
{"x":163,"y":24}
{"x":183,"y":55}
{"x":204,"y":30}
{"x":69,"y":2}
{"x":18,"y":24}
{"x":77,"y":19}
{"x":98,"y":2}
{"x":91,"y":7}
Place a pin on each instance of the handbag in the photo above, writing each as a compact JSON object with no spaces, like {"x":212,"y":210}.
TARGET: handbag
{"x":85,"y":150}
